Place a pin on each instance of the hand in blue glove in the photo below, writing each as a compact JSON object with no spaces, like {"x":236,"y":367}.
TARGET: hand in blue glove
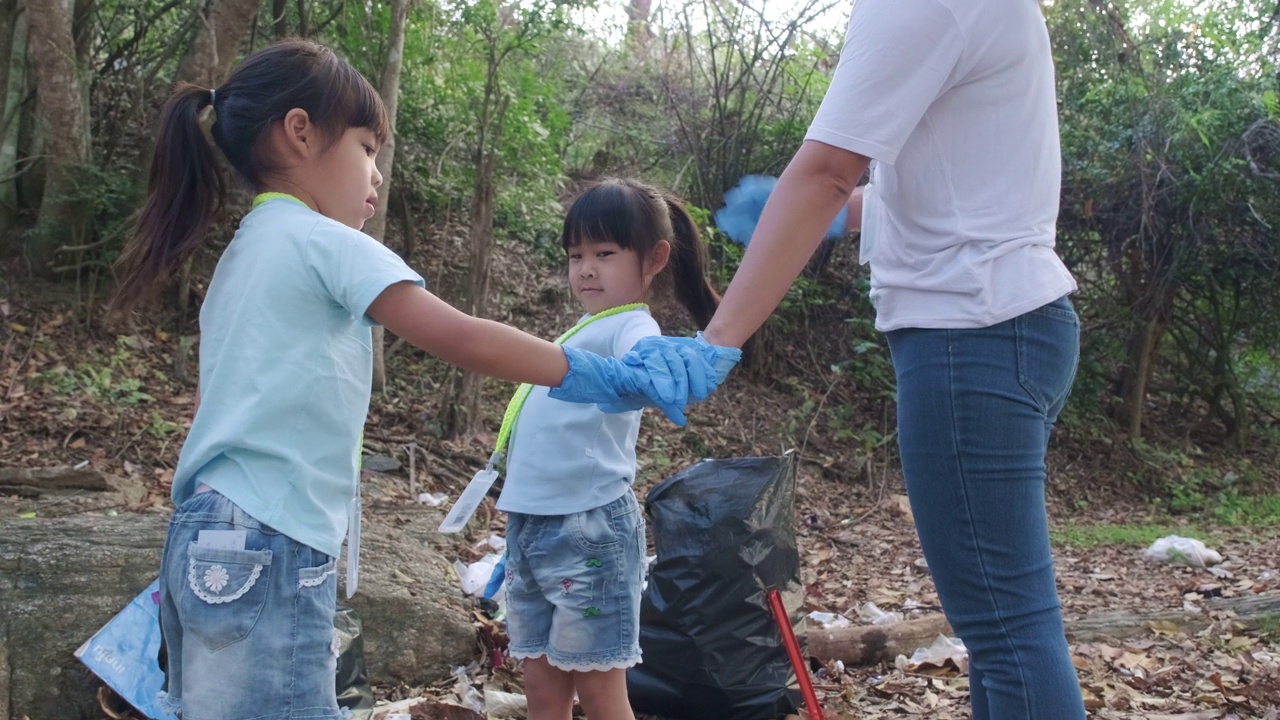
{"x":661,"y":377}
{"x":744,"y":203}
{"x":700,"y":357}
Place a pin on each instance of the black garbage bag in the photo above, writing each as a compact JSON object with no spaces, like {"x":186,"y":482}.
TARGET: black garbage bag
{"x":352,"y":680}
{"x":724,"y":534}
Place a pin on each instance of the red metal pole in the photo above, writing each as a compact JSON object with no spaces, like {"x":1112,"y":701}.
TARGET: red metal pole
{"x":793,"y":652}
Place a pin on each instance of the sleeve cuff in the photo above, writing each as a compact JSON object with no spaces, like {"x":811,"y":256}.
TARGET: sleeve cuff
{"x":371,"y":293}
{"x":873,"y":150}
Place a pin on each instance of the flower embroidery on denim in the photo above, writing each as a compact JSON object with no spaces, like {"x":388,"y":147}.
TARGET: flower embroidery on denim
{"x":565,"y":586}
{"x":216,"y":578}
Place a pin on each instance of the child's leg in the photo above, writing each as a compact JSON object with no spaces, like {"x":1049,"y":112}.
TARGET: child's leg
{"x":588,"y":565}
{"x":603,"y":694}
{"x":549,"y":690}
{"x":250,"y":631}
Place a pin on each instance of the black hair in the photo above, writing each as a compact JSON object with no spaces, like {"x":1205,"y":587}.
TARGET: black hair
{"x":186,"y":190}
{"x":638,"y":216}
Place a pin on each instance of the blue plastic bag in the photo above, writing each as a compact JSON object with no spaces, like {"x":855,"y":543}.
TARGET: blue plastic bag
{"x":124,"y":653}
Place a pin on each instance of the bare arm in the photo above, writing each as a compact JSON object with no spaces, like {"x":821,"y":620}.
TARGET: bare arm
{"x":817,"y":181}
{"x":471,"y":343}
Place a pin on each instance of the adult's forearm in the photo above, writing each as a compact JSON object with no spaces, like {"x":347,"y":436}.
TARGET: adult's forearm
{"x":817,"y":182}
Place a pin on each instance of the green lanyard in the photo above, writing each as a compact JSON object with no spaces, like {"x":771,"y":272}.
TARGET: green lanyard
{"x":263,"y":197}
{"x":522,"y":393}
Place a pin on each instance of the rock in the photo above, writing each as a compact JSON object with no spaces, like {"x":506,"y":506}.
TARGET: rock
{"x":379,"y":463}
{"x":415,"y":631}
{"x":62,"y":579}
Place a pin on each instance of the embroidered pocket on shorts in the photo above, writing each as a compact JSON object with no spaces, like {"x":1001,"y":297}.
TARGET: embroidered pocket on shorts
{"x":226,"y":591}
{"x":309,"y":577}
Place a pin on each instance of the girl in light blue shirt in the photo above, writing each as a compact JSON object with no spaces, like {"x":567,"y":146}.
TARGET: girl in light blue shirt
{"x":267,"y":481}
{"x":575,"y":534}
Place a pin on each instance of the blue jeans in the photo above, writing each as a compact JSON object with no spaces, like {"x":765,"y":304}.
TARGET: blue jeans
{"x":975,"y":409}
{"x":249,"y":632}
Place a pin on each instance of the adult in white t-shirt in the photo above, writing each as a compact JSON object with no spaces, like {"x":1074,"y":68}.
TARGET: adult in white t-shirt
{"x":952,"y":104}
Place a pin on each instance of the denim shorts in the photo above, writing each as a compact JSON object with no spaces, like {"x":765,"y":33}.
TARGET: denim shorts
{"x":573,"y":586}
{"x":249,"y":633}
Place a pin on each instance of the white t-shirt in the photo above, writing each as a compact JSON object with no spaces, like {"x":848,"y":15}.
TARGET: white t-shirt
{"x":568,"y":457}
{"x":954,"y":101}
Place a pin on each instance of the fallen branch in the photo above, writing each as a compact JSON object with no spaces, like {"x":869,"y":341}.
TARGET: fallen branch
{"x":1249,"y":610}
{"x":33,"y":482}
{"x":871,"y":644}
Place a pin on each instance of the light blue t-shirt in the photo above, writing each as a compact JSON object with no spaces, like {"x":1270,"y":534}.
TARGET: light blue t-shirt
{"x":286,"y":359}
{"x":568,"y":457}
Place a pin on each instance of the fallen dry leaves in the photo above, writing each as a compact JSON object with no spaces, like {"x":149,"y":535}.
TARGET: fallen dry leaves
{"x":854,"y":527}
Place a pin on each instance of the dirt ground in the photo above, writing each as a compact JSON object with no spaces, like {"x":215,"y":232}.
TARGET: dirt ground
{"x":73,"y":391}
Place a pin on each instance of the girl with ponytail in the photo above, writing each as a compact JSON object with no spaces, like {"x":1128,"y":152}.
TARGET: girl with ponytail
{"x":266,"y":486}
{"x":575,"y":533}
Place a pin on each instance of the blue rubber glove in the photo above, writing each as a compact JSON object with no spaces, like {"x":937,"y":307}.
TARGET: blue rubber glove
{"x":744,"y":203}
{"x":700,"y":356}
{"x":601,"y":380}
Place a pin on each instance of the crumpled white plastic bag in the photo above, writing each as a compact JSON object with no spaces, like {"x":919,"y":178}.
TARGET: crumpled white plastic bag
{"x":476,"y":575}
{"x":943,"y":652}
{"x":498,"y":704}
{"x":1177,"y":550}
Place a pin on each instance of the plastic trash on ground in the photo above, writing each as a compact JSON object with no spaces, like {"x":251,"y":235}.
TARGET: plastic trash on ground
{"x":498,"y":704}
{"x":876,"y":616}
{"x":944,"y":653}
{"x":352,"y":681}
{"x":1177,"y":550}
{"x":468,"y":696}
{"x":829,"y":620}
{"x":398,"y":710}
{"x":432,"y":499}
{"x":494,"y":542}
{"x":123,"y":653}
{"x":476,"y":575}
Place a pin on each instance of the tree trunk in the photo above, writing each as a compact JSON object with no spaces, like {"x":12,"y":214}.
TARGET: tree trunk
{"x":280,"y":18}
{"x":304,"y":22}
{"x":377,"y":225}
{"x":9,"y":13}
{"x":1143,"y":342}
{"x":638,"y":32}
{"x":63,"y":217}
{"x":408,"y":232}
{"x":870,"y":644}
{"x":463,"y":413}
{"x":220,"y":32}
{"x":83,"y":29}
{"x":13,"y":94}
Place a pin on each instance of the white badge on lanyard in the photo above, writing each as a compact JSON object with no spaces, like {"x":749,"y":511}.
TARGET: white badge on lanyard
{"x":353,"y":543}
{"x":470,"y":498}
